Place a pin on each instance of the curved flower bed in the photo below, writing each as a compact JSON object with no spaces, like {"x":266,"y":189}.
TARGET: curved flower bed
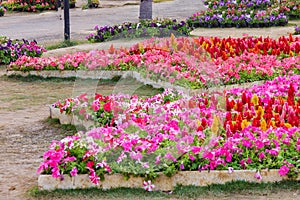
{"x":197,"y":63}
{"x":255,"y":129}
{"x":11,"y":50}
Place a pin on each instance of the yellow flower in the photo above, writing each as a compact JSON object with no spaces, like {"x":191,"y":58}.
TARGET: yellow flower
{"x":263,"y":125}
{"x":288,"y":125}
{"x":254,"y":99}
{"x":141,"y":47}
{"x":260,"y":111}
{"x":215,"y":126}
{"x":244,"y":124}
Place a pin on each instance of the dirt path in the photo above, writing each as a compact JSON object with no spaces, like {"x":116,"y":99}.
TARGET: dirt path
{"x":24,"y":135}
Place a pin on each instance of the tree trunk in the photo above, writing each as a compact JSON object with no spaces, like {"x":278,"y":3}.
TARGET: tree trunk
{"x":146,"y":9}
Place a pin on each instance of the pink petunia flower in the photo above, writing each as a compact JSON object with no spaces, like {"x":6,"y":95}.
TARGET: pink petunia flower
{"x":258,"y":176}
{"x":283,"y":170}
{"x":74,"y":171}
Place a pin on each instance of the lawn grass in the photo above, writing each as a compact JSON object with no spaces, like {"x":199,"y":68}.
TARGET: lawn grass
{"x":231,"y":189}
{"x":20,"y":92}
{"x":64,"y":44}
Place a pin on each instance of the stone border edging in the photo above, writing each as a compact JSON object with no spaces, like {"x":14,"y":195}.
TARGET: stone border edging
{"x":70,"y":119}
{"x":162,"y":183}
{"x":103,"y":74}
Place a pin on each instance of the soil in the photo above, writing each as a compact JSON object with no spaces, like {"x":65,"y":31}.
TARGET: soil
{"x":25,"y":134}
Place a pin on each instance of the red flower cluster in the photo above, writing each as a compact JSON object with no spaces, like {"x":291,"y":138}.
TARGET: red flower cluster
{"x":262,"y":112}
{"x":230,"y":47}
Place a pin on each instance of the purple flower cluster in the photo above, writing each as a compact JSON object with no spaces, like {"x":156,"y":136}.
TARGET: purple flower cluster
{"x":142,"y":29}
{"x":11,"y":50}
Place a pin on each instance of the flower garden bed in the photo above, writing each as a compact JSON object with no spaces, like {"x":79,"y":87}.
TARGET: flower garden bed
{"x":145,"y":28}
{"x":187,"y":63}
{"x":244,"y":13}
{"x":11,"y":50}
{"x":30,"y":6}
{"x":172,"y":133}
{"x":254,"y":129}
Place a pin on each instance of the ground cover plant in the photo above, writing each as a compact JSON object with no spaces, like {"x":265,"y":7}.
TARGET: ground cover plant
{"x":256,"y":128}
{"x":11,"y":50}
{"x":192,"y":63}
{"x":243,"y":13}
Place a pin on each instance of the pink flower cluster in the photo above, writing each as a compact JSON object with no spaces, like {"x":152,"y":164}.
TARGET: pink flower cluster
{"x":183,"y":61}
{"x":171,"y":131}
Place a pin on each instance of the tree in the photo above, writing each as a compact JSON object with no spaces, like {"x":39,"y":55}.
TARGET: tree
{"x":146,"y":9}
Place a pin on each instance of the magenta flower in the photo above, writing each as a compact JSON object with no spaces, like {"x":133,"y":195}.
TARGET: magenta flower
{"x":261,"y":155}
{"x":94,"y":178}
{"x":181,"y":165}
{"x":74,"y":171}
{"x":283,"y":170}
{"x":258,"y":176}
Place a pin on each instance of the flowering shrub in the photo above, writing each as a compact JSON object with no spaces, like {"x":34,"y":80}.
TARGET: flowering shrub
{"x":11,"y":50}
{"x":244,"y":129}
{"x":145,"y":28}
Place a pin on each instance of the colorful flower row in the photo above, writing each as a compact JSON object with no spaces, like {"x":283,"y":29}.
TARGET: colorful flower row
{"x":11,"y":50}
{"x":241,"y":129}
{"x":238,"y":4}
{"x":227,"y":13}
{"x":145,"y":28}
{"x":237,"y":19}
{"x":30,"y":5}
{"x":184,"y":61}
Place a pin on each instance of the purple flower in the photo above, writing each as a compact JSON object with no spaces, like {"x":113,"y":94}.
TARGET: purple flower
{"x":230,"y":170}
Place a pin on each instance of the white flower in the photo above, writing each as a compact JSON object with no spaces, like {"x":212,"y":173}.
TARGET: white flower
{"x":148,"y":186}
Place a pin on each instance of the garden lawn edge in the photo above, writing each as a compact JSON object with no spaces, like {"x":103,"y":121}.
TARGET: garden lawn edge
{"x":162,"y":183}
{"x":105,"y":74}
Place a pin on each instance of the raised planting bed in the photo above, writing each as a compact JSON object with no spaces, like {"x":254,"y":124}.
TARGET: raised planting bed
{"x":187,"y":63}
{"x":171,"y":133}
{"x":163,"y":182}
